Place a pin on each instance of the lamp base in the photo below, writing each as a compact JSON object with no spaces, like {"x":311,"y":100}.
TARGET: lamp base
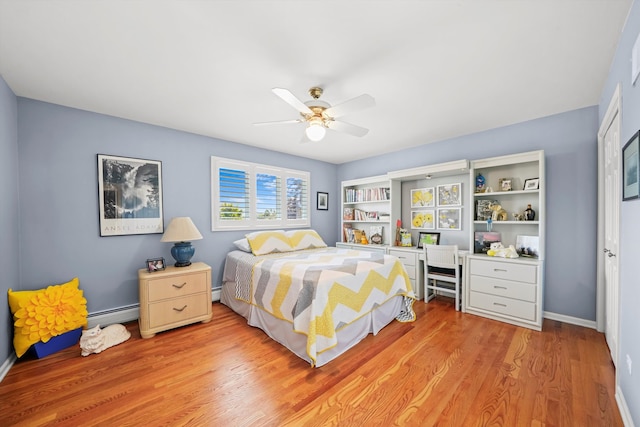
{"x":182,"y":253}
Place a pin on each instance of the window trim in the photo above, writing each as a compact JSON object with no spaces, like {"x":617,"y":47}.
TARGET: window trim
{"x":252,"y":222}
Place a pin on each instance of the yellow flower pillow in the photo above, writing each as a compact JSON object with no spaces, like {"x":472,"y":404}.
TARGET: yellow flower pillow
{"x":42,"y":314}
{"x":268,"y":242}
{"x":305,"y":239}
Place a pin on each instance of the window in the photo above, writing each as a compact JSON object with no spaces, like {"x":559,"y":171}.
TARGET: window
{"x":248,"y":196}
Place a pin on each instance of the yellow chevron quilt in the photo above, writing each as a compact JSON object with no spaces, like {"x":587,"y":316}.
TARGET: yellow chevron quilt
{"x":320,"y":291}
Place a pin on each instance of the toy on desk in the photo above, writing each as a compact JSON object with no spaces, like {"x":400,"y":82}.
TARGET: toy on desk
{"x":498,"y":250}
{"x":364,"y":240}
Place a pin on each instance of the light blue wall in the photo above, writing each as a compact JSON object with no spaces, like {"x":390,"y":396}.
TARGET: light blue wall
{"x":58,"y":149}
{"x":629,"y":217}
{"x":9,"y":213}
{"x":569,"y":141}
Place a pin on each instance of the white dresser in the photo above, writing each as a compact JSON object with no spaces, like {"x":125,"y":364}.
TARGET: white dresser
{"x":509,"y":290}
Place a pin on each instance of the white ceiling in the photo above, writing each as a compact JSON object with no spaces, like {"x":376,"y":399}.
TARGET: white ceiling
{"x":437,"y":69}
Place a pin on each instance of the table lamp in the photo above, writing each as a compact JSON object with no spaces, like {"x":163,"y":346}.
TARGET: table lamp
{"x":181,"y":230}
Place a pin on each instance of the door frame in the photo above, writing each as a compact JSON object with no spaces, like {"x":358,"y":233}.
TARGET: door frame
{"x":614,"y":109}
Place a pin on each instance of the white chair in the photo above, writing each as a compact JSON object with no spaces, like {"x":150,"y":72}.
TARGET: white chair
{"x":441,"y":264}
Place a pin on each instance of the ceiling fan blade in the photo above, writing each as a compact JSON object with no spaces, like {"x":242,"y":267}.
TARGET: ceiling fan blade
{"x":290,"y":99}
{"x":347,"y":128}
{"x":279,"y":122}
{"x":356,"y":104}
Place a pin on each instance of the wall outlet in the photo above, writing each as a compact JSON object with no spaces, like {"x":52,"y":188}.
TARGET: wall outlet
{"x":629,"y":363}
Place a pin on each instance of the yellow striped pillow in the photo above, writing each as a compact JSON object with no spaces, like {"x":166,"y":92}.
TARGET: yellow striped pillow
{"x":268,"y":242}
{"x":305,"y":239}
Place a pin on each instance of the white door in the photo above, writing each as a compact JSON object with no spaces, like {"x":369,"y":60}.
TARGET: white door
{"x":612,"y":200}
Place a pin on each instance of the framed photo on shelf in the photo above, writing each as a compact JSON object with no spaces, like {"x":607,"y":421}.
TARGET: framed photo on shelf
{"x":505,"y":184}
{"x":129,"y":196}
{"x":531,"y":184}
{"x":426,"y":238}
{"x":155,"y":264}
{"x":422,"y":198}
{"x":423,"y":219}
{"x":449,"y":219}
{"x":450,"y":194}
{"x":630,"y":168}
{"x":322,"y":201}
{"x":528,"y":246}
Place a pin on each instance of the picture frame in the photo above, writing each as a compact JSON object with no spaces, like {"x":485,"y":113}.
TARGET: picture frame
{"x":505,"y":184}
{"x":425,"y":237}
{"x":322,"y":201}
{"x":450,"y":194}
{"x":449,"y":219}
{"x":423,"y":220}
{"x":528,"y":246}
{"x":422,"y":198}
{"x":631,"y":168}
{"x":531,"y":184}
{"x":129,"y":196}
{"x":155,"y":264}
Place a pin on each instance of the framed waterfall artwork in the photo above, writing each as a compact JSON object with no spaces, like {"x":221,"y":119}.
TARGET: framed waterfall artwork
{"x":129,"y":196}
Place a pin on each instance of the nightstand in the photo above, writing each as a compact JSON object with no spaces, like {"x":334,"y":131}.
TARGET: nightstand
{"x":174,"y":297}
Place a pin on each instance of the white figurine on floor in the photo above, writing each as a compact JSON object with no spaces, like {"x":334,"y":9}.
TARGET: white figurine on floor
{"x":95,"y":340}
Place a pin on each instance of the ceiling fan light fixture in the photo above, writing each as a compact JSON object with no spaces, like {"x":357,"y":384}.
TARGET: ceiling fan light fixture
{"x":315,"y":131}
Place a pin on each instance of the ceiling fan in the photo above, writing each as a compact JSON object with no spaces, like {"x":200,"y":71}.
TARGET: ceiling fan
{"x":320,"y":115}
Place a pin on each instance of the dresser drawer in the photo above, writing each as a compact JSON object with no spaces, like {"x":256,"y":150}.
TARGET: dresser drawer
{"x":177,"y":286}
{"x":178,"y":310}
{"x":504,"y":270}
{"x":408,"y":259}
{"x":503,"y":288}
{"x":510,"y":307}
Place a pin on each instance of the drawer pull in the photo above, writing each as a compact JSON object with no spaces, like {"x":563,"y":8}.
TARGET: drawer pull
{"x":179,"y":286}
{"x":499,"y":305}
{"x":500,"y":269}
{"x":499,"y":287}
{"x":180,"y":309}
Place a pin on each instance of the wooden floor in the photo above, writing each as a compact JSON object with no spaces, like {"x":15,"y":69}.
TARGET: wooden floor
{"x":447,"y":369}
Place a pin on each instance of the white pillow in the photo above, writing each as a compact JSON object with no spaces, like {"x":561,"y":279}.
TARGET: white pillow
{"x":243,"y":244}
{"x":305,"y":239}
{"x":269,"y":242}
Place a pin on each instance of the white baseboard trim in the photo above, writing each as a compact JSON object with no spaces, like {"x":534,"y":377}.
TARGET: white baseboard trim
{"x":624,"y":409}
{"x":569,"y":319}
{"x":4,"y":369}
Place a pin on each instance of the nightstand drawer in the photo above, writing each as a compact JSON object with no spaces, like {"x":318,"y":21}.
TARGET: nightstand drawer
{"x":177,"y":286}
{"x":503,"y":288}
{"x":510,"y":307}
{"x":504,"y":270}
{"x":178,"y":310}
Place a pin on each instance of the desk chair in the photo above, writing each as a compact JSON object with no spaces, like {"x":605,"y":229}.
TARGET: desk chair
{"x":441,"y":265}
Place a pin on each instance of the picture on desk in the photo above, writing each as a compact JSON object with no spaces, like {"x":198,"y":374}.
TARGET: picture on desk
{"x":425,"y":238}
{"x":528,"y":246}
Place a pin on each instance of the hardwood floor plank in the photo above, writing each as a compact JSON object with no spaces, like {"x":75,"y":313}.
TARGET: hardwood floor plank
{"x":447,"y":368}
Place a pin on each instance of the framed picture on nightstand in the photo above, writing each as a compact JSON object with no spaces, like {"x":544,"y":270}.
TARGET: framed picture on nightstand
{"x":155,"y":264}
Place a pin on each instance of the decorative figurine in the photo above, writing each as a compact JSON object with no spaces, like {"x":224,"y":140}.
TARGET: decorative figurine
{"x":480,"y":183}
{"x":498,"y":250}
{"x":96,"y":340}
{"x":364,"y":240}
{"x":499,"y":214}
{"x":529,"y":214}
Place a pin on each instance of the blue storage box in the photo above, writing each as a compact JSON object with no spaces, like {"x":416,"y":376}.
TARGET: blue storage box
{"x":58,"y":343}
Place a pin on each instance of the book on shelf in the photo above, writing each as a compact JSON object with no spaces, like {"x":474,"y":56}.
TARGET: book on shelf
{"x":354,"y":195}
{"x":348,"y":214}
{"x":348,"y":233}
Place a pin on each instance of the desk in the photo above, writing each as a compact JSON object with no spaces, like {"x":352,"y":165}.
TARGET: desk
{"x":411,"y":257}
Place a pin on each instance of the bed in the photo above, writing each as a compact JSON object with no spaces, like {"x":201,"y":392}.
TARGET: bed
{"x":317,"y":301}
